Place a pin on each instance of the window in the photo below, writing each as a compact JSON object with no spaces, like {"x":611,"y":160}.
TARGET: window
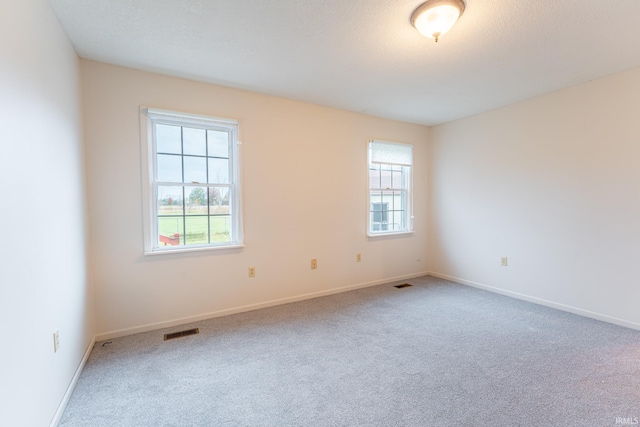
{"x":192,"y":191}
{"x":390,"y":188}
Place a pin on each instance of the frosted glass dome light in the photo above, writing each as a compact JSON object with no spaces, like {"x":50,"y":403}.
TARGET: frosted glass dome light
{"x":434,"y":18}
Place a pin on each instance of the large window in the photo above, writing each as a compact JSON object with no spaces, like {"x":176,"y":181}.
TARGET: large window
{"x":193,"y":182}
{"x":389,"y":188}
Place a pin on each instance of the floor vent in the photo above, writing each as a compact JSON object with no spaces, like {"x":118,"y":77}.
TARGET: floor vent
{"x":181,"y":334}
{"x":404,"y":285}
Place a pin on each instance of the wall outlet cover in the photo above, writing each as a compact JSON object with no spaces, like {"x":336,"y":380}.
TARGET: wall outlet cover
{"x":56,"y":341}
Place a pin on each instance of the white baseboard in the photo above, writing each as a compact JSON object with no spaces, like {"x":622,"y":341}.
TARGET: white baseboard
{"x":167,"y":324}
{"x":160,"y":325}
{"x":67,"y":395}
{"x":540,"y":301}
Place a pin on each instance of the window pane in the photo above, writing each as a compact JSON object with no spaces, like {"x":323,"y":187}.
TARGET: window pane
{"x":385,"y":177}
{"x":396,"y":220}
{"x":218,"y":200}
{"x":401,"y":219}
{"x":193,"y":166}
{"x":220,"y":228}
{"x":379,"y":221}
{"x":169,"y":200}
{"x":196,"y":201}
{"x":374,"y":178}
{"x":398,"y":201}
{"x":387,"y":211}
{"x":218,"y":143}
{"x":387,"y":198}
{"x":218,"y":171}
{"x":169,"y":168}
{"x":194,"y":141}
{"x":170,"y":231}
{"x":396,"y":179}
{"x":196,"y":230}
{"x":195,"y":169}
{"x":379,"y":212}
{"x":168,"y":139}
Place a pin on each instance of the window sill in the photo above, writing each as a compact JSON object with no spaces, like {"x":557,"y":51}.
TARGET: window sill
{"x":196,"y":249}
{"x":390,"y":234}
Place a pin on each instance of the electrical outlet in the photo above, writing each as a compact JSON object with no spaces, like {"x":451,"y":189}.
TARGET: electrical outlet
{"x":358,"y":258}
{"x":314,"y":264}
{"x":504,"y":261}
{"x":56,"y":341}
{"x":252,"y":272}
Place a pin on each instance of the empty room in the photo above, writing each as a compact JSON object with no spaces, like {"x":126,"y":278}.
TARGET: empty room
{"x":320,"y":213}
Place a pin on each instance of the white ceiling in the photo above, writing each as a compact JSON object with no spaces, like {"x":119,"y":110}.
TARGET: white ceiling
{"x":364,"y":55}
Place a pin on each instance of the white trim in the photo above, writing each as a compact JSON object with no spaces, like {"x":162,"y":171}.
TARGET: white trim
{"x":184,"y":249}
{"x":160,"y":325}
{"x":541,"y":301}
{"x":72,"y":385}
{"x":236,"y":177}
{"x":196,"y":119}
{"x":146,"y":177}
{"x":389,"y":234}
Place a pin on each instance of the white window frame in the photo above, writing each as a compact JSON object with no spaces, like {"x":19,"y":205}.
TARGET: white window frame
{"x":406,"y":188}
{"x":148,"y":118}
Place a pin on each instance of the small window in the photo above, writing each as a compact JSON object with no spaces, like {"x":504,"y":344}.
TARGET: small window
{"x":193,"y":192}
{"x":389,"y":188}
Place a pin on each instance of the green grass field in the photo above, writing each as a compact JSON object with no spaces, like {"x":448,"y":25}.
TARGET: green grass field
{"x":194,"y":230}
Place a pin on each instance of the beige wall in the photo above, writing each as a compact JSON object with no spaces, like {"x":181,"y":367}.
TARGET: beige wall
{"x":554,"y":184}
{"x":43,"y":285}
{"x":305,"y":189}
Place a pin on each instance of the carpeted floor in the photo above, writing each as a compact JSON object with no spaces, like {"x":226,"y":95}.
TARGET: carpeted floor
{"x":435,"y":354}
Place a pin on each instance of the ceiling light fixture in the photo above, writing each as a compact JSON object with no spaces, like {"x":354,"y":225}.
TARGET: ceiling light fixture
{"x":433,"y":18}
